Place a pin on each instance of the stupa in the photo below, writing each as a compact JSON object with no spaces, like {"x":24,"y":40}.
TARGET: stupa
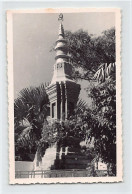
{"x":63,"y":95}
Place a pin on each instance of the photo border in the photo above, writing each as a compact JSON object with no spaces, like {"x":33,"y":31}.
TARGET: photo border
{"x":119,"y":177}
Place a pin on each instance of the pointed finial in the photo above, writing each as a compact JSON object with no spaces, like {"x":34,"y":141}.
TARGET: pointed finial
{"x":61,"y":29}
{"x":60,"y":18}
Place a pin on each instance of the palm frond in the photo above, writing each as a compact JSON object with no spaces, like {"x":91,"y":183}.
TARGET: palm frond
{"x":80,"y":107}
{"x":105,"y":71}
{"x":30,"y":103}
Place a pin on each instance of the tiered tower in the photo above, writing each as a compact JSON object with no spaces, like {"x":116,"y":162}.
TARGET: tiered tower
{"x":63,"y":91}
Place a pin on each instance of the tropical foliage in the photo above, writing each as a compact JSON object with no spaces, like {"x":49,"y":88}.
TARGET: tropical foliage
{"x":103,"y":128}
{"x":105,"y":71}
{"x":95,"y":56}
{"x":89,"y":52}
{"x":65,"y":132}
{"x":30,"y":111}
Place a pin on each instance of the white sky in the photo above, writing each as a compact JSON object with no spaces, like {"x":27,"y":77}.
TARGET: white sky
{"x":33,"y":37}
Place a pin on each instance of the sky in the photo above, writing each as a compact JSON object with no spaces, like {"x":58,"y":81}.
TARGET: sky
{"x":33,"y":37}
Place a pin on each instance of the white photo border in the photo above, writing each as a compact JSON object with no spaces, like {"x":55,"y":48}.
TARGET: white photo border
{"x":119,"y":176}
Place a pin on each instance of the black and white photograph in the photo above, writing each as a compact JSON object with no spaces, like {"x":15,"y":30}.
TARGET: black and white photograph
{"x":64,"y":95}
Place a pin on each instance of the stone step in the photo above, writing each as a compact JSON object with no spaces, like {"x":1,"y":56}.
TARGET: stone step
{"x":73,"y":156}
{"x":78,"y":161}
{"x":75,"y":166}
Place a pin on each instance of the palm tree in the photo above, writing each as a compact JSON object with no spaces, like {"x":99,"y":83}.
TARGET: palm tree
{"x":30,"y":111}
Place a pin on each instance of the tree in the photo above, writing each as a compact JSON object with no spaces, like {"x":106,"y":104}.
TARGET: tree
{"x":30,"y":111}
{"x":95,"y":59}
{"x":54,"y":131}
{"x":103,"y":129}
{"x":64,"y":133}
{"x":88,"y":52}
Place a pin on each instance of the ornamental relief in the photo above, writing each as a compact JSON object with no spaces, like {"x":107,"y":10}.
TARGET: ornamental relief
{"x":59,"y":65}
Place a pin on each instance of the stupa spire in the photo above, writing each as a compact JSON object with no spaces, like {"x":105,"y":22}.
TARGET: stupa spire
{"x":61,"y":30}
{"x":61,"y":43}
